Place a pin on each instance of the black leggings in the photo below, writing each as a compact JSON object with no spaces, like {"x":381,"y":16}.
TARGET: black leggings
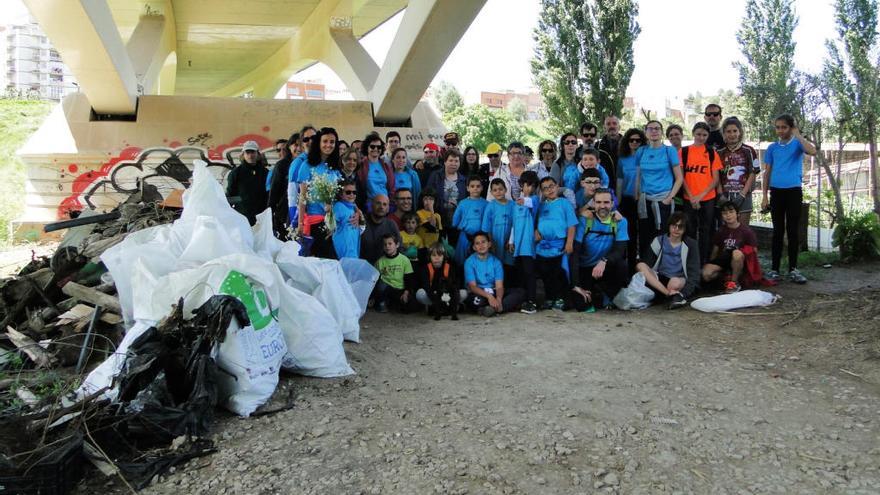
{"x":785,"y":211}
{"x":701,"y":226}
{"x":526,"y":265}
{"x":553,"y":276}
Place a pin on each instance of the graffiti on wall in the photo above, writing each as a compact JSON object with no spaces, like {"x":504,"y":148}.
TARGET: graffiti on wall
{"x":159,"y":169}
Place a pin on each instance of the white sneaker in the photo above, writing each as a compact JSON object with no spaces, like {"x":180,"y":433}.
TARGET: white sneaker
{"x":796,"y":276}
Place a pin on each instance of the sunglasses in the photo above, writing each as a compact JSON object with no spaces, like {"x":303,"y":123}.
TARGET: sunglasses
{"x":307,"y":139}
{"x":451,"y":143}
{"x":376,"y":146}
{"x":570,"y":141}
{"x":589,"y":134}
{"x":713,"y":114}
{"x":635,"y":140}
{"x":494,"y":155}
{"x":349,"y":192}
{"x":547,"y":150}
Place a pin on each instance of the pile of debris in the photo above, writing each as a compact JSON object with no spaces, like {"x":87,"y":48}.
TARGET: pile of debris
{"x":119,"y":347}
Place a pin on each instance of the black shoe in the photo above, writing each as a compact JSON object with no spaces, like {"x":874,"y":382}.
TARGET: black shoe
{"x":528,"y":308}
{"x":676,"y":301}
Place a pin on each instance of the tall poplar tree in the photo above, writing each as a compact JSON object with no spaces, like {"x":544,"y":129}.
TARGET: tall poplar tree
{"x":583,"y":59}
{"x":767,"y":77}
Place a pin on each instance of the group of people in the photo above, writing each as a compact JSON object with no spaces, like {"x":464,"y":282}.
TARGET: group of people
{"x":584,"y":217}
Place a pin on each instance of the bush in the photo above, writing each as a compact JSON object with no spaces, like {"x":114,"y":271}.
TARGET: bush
{"x":858,"y":237}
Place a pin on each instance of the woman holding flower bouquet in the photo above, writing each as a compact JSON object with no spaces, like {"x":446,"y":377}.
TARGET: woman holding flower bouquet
{"x":318,"y":179}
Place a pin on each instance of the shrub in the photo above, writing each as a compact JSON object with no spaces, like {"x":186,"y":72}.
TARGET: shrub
{"x":858,"y":237}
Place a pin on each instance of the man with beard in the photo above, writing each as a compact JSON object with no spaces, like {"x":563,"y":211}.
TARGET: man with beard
{"x":600,"y":245}
{"x":712,"y":115}
{"x":426,"y":166}
{"x":610,"y":143}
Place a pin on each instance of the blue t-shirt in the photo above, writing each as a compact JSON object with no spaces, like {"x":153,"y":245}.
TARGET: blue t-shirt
{"x":377,"y":181}
{"x":498,"y":221}
{"x":483,"y":272}
{"x":408,"y":179}
{"x":347,"y":237}
{"x":628,"y":169}
{"x":656,"y":165}
{"x":306,"y":172}
{"x":571,"y":178}
{"x":468,"y":215}
{"x":598,"y":239}
{"x":293,"y":171}
{"x":554,"y":219}
{"x":787,"y":161}
{"x":524,"y":228}
{"x":670,"y":261}
{"x":581,"y":200}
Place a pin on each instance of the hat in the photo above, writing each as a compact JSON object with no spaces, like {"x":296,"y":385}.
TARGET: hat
{"x":432,"y":147}
{"x":493,"y":149}
{"x":250,"y":146}
{"x":450,"y":136}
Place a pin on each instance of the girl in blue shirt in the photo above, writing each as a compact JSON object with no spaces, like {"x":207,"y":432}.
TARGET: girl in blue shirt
{"x":468,"y":218}
{"x":568,"y":145}
{"x":658,"y":179}
{"x":404,"y":176}
{"x":323,"y":159}
{"x":347,"y":237}
{"x":484,"y":278}
{"x":630,"y":143}
{"x":555,"y":237}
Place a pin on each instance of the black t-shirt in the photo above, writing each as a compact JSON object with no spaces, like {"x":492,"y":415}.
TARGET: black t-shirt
{"x":716,"y":139}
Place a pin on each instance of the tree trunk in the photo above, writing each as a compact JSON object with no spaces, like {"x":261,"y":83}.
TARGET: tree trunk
{"x":833,"y":181}
{"x":872,"y":160}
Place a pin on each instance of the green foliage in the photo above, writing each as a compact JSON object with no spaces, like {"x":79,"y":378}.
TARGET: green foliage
{"x":18,"y":120}
{"x":518,"y":110}
{"x":447,"y":98}
{"x":584,"y":59}
{"x":858,"y":237}
{"x":478,"y":125}
{"x":766,"y":78}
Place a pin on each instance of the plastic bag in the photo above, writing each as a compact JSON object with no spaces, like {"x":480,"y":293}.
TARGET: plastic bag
{"x":363,"y":277}
{"x":737,"y":300}
{"x":636,"y":295}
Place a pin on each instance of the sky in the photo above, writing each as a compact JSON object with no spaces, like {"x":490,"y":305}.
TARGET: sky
{"x":685,"y":46}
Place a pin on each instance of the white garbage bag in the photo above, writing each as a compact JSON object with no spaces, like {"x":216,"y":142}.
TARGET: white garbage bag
{"x":102,"y":376}
{"x":637,"y":295}
{"x":363,"y":277}
{"x":737,"y":300}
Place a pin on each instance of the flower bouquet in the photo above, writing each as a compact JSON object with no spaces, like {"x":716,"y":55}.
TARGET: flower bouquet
{"x":323,"y":189}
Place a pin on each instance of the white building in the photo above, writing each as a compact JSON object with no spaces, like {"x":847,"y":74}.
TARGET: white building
{"x":33,"y":67}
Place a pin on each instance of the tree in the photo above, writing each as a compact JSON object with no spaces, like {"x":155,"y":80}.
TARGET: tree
{"x":479,"y":125}
{"x":583,"y":58}
{"x":766,"y":78}
{"x":518,"y":110}
{"x":853,"y":72}
{"x":447,"y":98}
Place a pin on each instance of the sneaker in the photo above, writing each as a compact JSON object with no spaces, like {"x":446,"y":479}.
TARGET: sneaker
{"x":730,"y":287}
{"x":772,"y":275}
{"x":559,"y":304}
{"x":676,"y":301}
{"x":528,"y":308}
{"x":487,"y":311}
{"x":382,"y":307}
{"x":796,"y":276}
{"x":589,"y":309}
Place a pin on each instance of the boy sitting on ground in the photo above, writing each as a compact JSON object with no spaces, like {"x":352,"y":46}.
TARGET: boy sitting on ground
{"x":727,"y":249}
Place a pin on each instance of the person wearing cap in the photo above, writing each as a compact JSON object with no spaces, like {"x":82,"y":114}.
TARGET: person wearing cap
{"x":429,"y":164}
{"x":247,"y":181}
{"x":488,"y":170}
{"x":451,"y":141}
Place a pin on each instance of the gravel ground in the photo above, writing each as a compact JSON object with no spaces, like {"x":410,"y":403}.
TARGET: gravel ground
{"x":784,"y":400}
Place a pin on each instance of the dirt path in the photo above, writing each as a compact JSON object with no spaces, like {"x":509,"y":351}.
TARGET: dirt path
{"x":648,"y":402}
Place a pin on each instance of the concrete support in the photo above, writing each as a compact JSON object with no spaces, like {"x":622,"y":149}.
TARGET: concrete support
{"x":428,"y":33}
{"x":85,"y":35}
{"x":153,"y":40}
{"x":351,"y":62}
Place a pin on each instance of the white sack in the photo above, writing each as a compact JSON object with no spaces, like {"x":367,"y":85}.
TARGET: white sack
{"x":363,"y":277}
{"x":737,"y":300}
{"x":637,"y":295}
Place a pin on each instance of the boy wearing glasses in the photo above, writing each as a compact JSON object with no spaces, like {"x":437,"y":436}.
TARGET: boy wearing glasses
{"x":248,"y":182}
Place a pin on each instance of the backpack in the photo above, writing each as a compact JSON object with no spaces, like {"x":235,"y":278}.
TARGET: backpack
{"x":684,"y":156}
{"x":590,"y":230}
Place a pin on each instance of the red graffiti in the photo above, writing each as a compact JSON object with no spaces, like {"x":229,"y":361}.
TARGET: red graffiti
{"x":83,"y":181}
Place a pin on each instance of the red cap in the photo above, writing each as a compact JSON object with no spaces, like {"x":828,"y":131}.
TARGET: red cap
{"x":431,"y":146}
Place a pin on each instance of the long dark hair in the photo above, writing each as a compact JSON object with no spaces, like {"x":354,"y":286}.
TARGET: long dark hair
{"x":314,"y":157}
{"x":470,"y":169}
{"x":623,"y":148}
{"x":561,"y":159}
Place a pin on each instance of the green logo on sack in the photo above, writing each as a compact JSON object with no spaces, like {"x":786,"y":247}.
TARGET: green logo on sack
{"x":255,"y":301}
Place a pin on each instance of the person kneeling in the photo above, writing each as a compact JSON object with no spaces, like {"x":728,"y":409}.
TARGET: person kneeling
{"x":728,"y":250}
{"x":600,"y":241}
{"x":396,"y":278}
{"x":439,"y":291}
{"x":671,"y":264}
{"x":484,"y":276}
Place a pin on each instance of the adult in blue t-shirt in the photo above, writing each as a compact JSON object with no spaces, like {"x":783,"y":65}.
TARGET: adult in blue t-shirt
{"x":783,"y":171}
{"x":659,"y":178}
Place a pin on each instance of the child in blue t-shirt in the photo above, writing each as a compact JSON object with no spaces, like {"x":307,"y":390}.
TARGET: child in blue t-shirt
{"x":347,"y":236}
{"x":468,"y":218}
{"x":555,"y":238}
{"x":484,"y":278}
{"x":522,"y":237}
{"x":498,"y":222}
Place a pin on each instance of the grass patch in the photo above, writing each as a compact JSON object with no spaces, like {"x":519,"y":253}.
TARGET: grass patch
{"x":18,"y":120}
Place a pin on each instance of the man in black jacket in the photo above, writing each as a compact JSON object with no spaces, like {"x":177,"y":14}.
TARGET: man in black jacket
{"x":247,"y":181}
{"x":589,"y":132}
